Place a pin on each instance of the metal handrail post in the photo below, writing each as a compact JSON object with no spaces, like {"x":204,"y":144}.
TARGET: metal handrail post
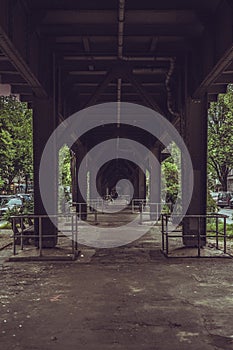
{"x":21,"y":233}
{"x":76,"y":233}
{"x":14,"y":236}
{"x":225,"y":236}
{"x":40,"y":236}
{"x":162,"y":218}
{"x":199,"y":238}
{"x":166,"y":234}
{"x":217,"y":232}
{"x":72,"y":233}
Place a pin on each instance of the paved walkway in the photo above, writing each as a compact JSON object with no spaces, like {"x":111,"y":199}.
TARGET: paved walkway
{"x":123,"y":298}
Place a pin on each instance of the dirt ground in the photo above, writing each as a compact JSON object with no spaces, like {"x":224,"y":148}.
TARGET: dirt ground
{"x":121,"y":299}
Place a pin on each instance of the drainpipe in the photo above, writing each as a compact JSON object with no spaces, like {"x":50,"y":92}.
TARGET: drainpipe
{"x":119,"y":85}
{"x":114,"y":57}
{"x":168,"y":88}
{"x":121,"y":19}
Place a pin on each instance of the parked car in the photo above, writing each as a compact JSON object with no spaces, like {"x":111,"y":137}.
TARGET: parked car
{"x":214,"y":195}
{"x":5,"y":198}
{"x":224,"y":199}
{"x":25,"y":196}
{"x":231,"y":203}
{"x":11,"y":204}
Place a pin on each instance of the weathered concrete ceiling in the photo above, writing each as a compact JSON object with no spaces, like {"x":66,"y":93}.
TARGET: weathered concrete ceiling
{"x":82,"y":40}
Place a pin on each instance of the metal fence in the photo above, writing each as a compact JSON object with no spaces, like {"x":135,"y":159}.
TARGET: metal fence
{"x":23,"y":227}
{"x":209,"y":236}
{"x":207,"y":232}
{"x":95,"y":206}
{"x":150,"y":211}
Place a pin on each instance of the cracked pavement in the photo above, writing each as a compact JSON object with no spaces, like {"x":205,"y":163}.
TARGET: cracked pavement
{"x":121,"y":298}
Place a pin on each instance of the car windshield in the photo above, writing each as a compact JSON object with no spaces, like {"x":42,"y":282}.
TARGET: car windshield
{"x":14,"y":201}
{"x":214,"y":194}
{"x":223,"y":196}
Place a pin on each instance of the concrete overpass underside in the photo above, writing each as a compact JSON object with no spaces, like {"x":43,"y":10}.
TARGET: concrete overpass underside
{"x":173,"y":56}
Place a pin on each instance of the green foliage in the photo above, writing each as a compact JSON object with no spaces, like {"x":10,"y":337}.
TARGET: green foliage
{"x":15,"y":140}
{"x":4,"y":225}
{"x":171,"y":176}
{"x":171,"y":173}
{"x":220,"y":137}
{"x":64,"y":166}
{"x":26,"y":209}
{"x":11,"y":212}
{"x":64,"y":178}
{"x":212,"y":227}
{"x":211,"y":204}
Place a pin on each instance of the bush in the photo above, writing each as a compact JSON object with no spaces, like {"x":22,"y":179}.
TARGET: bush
{"x":212,"y":227}
{"x":26,"y":209}
{"x":211,"y":204}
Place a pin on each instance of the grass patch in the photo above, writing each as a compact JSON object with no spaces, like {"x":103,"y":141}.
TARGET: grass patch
{"x":4,"y":225}
{"x":212,"y":227}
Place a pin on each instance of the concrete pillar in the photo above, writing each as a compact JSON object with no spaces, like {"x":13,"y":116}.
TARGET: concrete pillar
{"x":44,"y":123}
{"x":92,"y":184}
{"x":135,"y":180}
{"x":73,"y":177}
{"x":80,"y":154}
{"x":99,"y":180}
{"x":141,"y":184}
{"x":196,"y":141}
{"x":155,"y":184}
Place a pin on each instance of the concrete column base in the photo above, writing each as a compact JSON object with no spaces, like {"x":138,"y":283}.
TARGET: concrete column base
{"x":194,"y":232}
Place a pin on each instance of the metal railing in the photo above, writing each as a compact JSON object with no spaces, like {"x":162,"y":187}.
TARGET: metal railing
{"x":96,"y":206}
{"x":139,"y":205}
{"x":204,"y":230}
{"x":88,"y":210}
{"x":30,"y":227}
{"x":150,"y":211}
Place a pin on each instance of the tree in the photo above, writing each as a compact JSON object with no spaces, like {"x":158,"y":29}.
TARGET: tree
{"x":64,"y":166}
{"x":64,"y":178}
{"x":171,"y":175}
{"x":15,"y":140}
{"x":220,"y":137}
{"x":6,"y":155}
{"x":171,"y":170}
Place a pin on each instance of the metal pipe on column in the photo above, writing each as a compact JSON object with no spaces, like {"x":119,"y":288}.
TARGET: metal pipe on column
{"x":121,"y":20}
{"x":114,"y":57}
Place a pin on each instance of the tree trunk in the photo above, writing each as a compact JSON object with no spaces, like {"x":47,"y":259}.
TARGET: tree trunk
{"x":224,"y":183}
{"x":26,"y":183}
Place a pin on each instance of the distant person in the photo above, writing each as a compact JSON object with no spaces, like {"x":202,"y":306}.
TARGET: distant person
{"x":114,"y":194}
